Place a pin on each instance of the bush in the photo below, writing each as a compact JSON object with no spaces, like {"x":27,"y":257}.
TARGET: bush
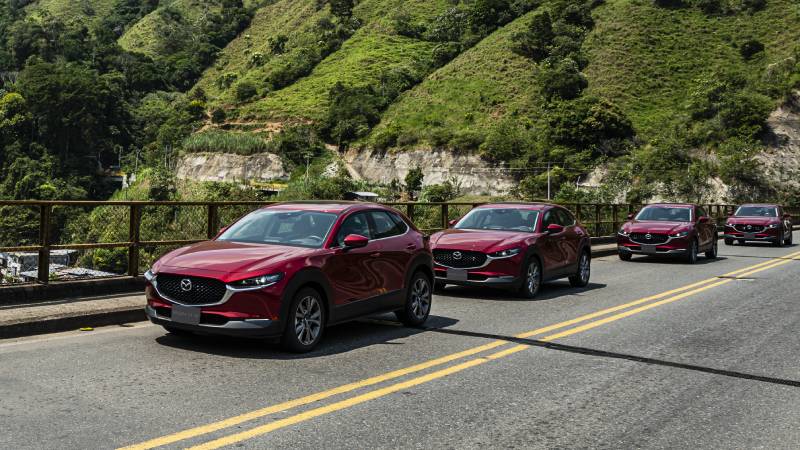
{"x":440,"y":192}
{"x":466,"y":140}
{"x":505,"y":142}
{"x":413,"y":180}
{"x":563,"y":80}
{"x":448,"y":26}
{"x":404,"y":26}
{"x":245,"y":90}
{"x":352,"y":112}
{"x":750,"y":48}
{"x":535,"y":42}
{"x":218,"y":115}
{"x":744,"y":114}
{"x":753,"y":5}
{"x":587,"y":122}
{"x":385,"y":139}
{"x":295,"y":143}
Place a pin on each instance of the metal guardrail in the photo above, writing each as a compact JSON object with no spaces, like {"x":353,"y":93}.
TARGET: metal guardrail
{"x":208,"y":217}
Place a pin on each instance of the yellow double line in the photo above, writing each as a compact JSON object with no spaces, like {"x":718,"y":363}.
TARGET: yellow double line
{"x":640,"y":305}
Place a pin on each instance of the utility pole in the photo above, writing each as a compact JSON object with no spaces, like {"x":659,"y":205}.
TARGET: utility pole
{"x":308,"y":165}
{"x":548,"y":180}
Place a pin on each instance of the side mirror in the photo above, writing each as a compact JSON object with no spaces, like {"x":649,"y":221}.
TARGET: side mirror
{"x":452,"y":222}
{"x":355,"y":241}
{"x":221,"y":230}
{"x":554,"y":228}
{"x":631,"y":216}
{"x":787,"y":216}
{"x":703,"y":219}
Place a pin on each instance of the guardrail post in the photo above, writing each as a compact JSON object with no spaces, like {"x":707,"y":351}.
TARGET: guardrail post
{"x":43,"y":269}
{"x":578,"y":212}
{"x":445,"y":214}
{"x":410,"y":211}
{"x":597,"y":219}
{"x":614,"y":213}
{"x":213,"y":221}
{"x":134,"y":236}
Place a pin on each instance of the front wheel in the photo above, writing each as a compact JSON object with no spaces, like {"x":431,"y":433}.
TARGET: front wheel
{"x":418,"y":302}
{"x":712,"y":252}
{"x":779,"y":240}
{"x":788,"y":240}
{"x":531,"y":279}
{"x":625,"y":256}
{"x":581,"y":278}
{"x":728,"y":241}
{"x":305,"y":322}
{"x":691,"y":252}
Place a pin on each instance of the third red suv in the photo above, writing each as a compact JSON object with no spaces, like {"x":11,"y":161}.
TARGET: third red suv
{"x":668,"y":229}
{"x":516,"y":245}
{"x":761,"y":222}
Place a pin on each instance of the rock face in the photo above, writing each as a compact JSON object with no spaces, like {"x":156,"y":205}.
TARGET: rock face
{"x":231,"y":168}
{"x":473,"y":174}
{"x":782,"y":158}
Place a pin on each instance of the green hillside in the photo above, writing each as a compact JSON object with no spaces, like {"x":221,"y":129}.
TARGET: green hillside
{"x":73,"y":10}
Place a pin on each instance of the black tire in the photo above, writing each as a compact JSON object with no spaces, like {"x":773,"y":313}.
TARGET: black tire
{"x":788,"y":240}
{"x":691,"y":252}
{"x":176,"y":331}
{"x":531,"y":278}
{"x":712,"y":252}
{"x":438,"y":286}
{"x":305,"y":322}
{"x":777,"y":242}
{"x":728,"y":241}
{"x":625,"y":256}
{"x":581,"y":277}
{"x":419,"y":297}
{"x":741,"y":241}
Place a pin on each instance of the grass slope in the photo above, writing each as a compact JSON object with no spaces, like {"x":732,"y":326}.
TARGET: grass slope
{"x":475,"y":90}
{"x":646,"y":59}
{"x":72,"y":10}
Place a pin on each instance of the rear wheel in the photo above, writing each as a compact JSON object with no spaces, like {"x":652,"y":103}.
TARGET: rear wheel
{"x":581,"y":278}
{"x":625,"y":256}
{"x":531,"y":279}
{"x":691,"y":254}
{"x":305,"y":322}
{"x":712,"y":252}
{"x":418,"y":301}
{"x":728,"y":241}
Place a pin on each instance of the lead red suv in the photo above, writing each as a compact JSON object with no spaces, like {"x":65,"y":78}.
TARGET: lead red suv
{"x":513,"y":245}
{"x":291,"y":269}
{"x":668,"y":229}
{"x":759,"y":222}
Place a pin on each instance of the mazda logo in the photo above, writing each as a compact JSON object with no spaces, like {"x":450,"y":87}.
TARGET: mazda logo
{"x":749,"y":227}
{"x":186,"y":284}
{"x":456,"y":255}
{"x":648,"y":236}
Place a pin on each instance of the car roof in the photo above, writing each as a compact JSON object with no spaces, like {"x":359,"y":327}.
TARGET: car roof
{"x":673,"y":205}
{"x":329,"y":206}
{"x":536,"y":206}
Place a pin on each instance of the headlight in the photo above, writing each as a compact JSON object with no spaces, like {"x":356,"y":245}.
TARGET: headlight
{"x":680,"y":234}
{"x":728,"y":224}
{"x":256,"y":282}
{"x":773,"y":225}
{"x":622,"y":232}
{"x":149,"y":275}
{"x":505,"y":253}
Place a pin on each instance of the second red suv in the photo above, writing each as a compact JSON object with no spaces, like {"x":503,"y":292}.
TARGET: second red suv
{"x":513,"y":245}
{"x":668,"y":229}
{"x":759,"y":222}
{"x":289,"y":270}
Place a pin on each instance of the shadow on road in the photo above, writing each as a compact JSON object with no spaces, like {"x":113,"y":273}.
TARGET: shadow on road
{"x":701,"y":260}
{"x":550,"y":291}
{"x":337,"y":339}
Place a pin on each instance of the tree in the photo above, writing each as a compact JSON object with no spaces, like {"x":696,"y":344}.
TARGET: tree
{"x":562,"y":80}
{"x":536,"y":40}
{"x":413,"y":181}
{"x":352,"y":112}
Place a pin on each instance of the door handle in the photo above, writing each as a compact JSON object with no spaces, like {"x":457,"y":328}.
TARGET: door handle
{"x":411,"y":247}
{"x":375,"y":255}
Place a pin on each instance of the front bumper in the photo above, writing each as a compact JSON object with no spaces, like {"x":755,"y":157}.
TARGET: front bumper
{"x":673,"y":246}
{"x":659,"y":251}
{"x":499,"y":272}
{"x":261,"y":328}
{"x":769,"y":234}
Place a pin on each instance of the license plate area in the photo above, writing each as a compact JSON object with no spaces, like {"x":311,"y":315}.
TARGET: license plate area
{"x":457,"y":274}
{"x":749,"y":235}
{"x":648,"y":248}
{"x":185,"y":314}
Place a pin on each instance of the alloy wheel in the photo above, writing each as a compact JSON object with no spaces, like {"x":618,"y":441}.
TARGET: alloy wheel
{"x":585,"y":268}
{"x":308,"y":320}
{"x":420,"y":298}
{"x":532,"y":277}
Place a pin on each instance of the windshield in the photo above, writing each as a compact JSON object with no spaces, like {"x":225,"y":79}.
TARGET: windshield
{"x":666,"y":213}
{"x":506,"y":219}
{"x":757,"y":211}
{"x":265,"y":226}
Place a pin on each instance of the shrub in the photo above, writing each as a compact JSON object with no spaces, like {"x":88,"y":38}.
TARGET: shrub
{"x":295,"y":143}
{"x":404,"y":26}
{"x":448,"y":26}
{"x":750,"y":48}
{"x":218,"y":115}
{"x":504,"y":142}
{"x":226,"y":80}
{"x":444,"y":52}
{"x":562,"y":80}
{"x":413,"y":180}
{"x":744,"y":114}
{"x":352,"y":112}
{"x":587,"y":122}
{"x":466,"y":140}
{"x":385,"y":139}
{"x":440,"y":192}
{"x":277,"y":44}
{"x":245,"y":90}
{"x":753,"y":5}
{"x":536,"y":40}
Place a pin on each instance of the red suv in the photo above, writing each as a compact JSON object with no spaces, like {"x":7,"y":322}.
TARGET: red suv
{"x":291,"y":269}
{"x":668,"y":229}
{"x":517,"y":245}
{"x":765,"y":223}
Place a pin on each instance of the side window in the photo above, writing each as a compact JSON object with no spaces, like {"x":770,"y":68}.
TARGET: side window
{"x":549,"y":218}
{"x":354,"y":224}
{"x":565,"y":218}
{"x":386,"y":226}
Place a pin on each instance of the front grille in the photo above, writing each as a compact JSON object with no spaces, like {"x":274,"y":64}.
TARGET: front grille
{"x":467,"y":259}
{"x":752,"y":228}
{"x":203,"y":291}
{"x":642,"y":238}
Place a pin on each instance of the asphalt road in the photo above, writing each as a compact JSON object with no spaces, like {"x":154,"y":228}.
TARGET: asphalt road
{"x":653,"y":354}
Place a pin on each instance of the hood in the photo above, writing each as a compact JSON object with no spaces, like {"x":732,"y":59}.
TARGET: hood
{"x":478,"y":240}
{"x":753,"y":220}
{"x":656,"y":226}
{"x":217,"y":258}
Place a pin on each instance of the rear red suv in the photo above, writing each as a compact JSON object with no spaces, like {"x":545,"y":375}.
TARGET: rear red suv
{"x":291,"y":269}
{"x":759,"y":222}
{"x":668,"y":229}
{"x":517,"y":245}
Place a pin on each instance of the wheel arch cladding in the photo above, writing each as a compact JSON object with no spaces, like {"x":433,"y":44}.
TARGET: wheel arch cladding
{"x":311,"y":278}
{"x":421,"y":263}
